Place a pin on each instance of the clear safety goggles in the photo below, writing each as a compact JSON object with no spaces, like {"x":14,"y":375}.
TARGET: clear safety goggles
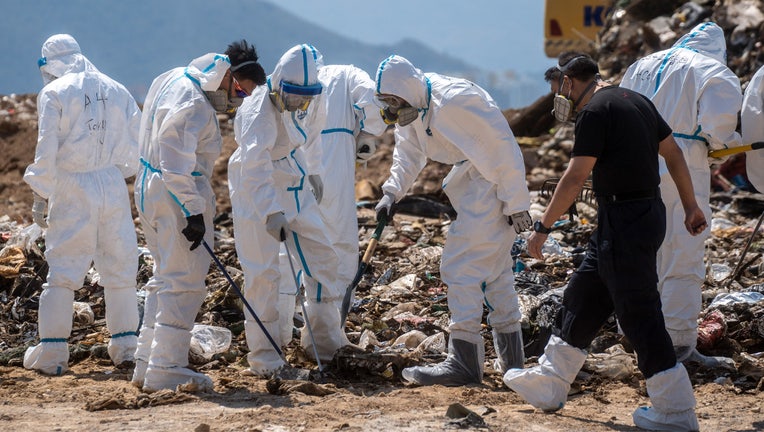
{"x":389,"y":101}
{"x":296,"y":97}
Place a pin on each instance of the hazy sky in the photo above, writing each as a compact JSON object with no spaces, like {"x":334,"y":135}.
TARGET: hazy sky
{"x":495,"y":35}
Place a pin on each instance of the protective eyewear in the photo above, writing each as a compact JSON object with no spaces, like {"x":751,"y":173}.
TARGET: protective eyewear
{"x":294,"y":102}
{"x":297,"y":97}
{"x":390,"y":101}
{"x":238,"y":89}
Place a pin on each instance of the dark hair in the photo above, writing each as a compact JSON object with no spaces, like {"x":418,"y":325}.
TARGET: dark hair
{"x":574,"y":64}
{"x":244,"y":63}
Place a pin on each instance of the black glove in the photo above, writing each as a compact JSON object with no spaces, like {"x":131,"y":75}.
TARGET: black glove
{"x":195,"y":230}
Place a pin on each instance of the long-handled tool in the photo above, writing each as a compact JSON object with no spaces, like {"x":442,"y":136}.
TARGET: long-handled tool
{"x":301,"y":295}
{"x":738,"y":267}
{"x":244,"y":300}
{"x":345,"y":308}
{"x":736,"y":150}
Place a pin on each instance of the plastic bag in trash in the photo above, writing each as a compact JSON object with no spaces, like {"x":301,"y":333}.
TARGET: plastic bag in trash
{"x":207,"y":340}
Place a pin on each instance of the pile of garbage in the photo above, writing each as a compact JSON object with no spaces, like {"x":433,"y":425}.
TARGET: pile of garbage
{"x":399,"y":316}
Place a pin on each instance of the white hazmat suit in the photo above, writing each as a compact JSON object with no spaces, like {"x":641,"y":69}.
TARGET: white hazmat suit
{"x":180,"y":140}
{"x":268,"y":176}
{"x":460,"y":124}
{"x":348,"y":98}
{"x":752,"y":128}
{"x":699,"y":97}
{"x":87,"y":145}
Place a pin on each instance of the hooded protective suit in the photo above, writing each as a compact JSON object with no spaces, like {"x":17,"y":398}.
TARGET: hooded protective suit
{"x":267,"y":175}
{"x":699,"y":97}
{"x":348,"y":99}
{"x":87,"y":145}
{"x":752,"y":128}
{"x":460,"y":124}
{"x":180,"y":140}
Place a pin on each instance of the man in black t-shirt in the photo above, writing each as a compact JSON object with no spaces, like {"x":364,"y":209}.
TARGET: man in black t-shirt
{"x":618,"y":137}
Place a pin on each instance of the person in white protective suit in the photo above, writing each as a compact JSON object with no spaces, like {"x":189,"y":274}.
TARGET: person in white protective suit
{"x":179,"y":142}
{"x":700,"y":98}
{"x":752,"y":128}
{"x":268,"y":183}
{"x":352,"y":122}
{"x":454,"y":121}
{"x":87,"y":146}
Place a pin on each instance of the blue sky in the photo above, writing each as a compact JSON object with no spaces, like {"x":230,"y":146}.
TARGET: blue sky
{"x":495,"y":35}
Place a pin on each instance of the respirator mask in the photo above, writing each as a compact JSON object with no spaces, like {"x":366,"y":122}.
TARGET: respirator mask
{"x":564,"y":107}
{"x":222,"y":101}
{"x":395,"y":110}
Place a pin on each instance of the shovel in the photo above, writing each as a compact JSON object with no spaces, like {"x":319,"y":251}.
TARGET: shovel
{"x":345,"y":308}
{"x":736,"y":150}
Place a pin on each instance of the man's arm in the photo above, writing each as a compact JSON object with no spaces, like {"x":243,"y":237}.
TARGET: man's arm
{"x":694,"y":220}
{"x":565,"y":194}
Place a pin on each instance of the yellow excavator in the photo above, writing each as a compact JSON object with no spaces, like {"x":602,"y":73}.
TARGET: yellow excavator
{"x":572,"y":25}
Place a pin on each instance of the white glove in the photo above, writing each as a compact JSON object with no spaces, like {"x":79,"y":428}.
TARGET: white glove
{"x":386,"y":205}
{"x":521,"y":221}
{"x":317,"y":186}
{"x":39,"y":208}
{"x":365,"y":146}
{"x":715,"y":145}
{"x":276,"y":224}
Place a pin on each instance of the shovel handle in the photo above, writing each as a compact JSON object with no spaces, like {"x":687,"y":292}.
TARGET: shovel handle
{"x":736,"y":150}
{"x":374,"y":239}
{"x":345,"y":308}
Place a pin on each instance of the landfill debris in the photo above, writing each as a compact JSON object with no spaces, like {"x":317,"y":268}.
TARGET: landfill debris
{"x":401,"y":297}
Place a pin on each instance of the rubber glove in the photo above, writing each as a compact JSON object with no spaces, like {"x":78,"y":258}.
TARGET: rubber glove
{"x":276,"y":225}
{"x":521,"y":221}
{"x":386,"y":205}
{"x":39,"y":208}
{"x":194,"y":230}
{"x":317,"y":186}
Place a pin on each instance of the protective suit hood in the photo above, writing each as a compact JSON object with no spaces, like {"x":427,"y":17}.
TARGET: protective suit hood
{"x":397,"y":76}
{"x":208,"y":70}
{"x":61,"y":55}
{"x":298,"y":66}
{"x":708,"y":39}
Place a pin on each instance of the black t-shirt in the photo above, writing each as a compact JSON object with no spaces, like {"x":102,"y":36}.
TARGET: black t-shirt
{"x":622,"y":129}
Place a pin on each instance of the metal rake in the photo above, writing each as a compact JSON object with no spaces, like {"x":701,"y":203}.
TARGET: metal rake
{"x":586,"y":195}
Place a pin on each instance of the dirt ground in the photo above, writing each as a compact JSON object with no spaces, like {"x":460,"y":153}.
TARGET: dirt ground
{"x":94,"y":395}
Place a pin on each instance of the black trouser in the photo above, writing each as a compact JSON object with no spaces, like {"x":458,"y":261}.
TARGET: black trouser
{"x":619,"y":275}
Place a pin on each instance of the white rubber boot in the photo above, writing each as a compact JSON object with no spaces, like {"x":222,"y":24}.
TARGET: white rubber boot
{"x":139,"y":373}
{"x":145,"y":340}
{"x":673,"y":402}
{"x":167,"y":364}
{"x":122,"y":322}
{"x":262,"y":358}
{"x":464,"y":365}
{"x":546,"y":386}
{"x":324,"y":319}
{"x":54,"y":318}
